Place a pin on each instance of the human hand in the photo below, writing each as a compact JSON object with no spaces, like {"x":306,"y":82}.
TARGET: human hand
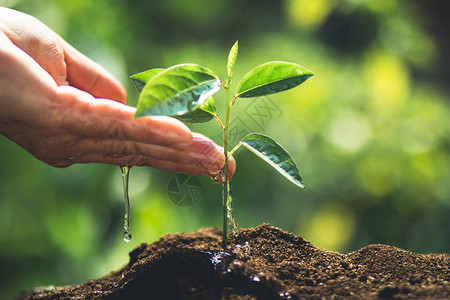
{"x":48,"y":106}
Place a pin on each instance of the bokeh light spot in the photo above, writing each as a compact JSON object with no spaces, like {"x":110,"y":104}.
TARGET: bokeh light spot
{"x":308,"y":14}
{"x":417,"y":136}
{"x":331,"y":228}
{"x":388,"y":83}
{"x":349,"y":131}
{"x":396,"y":35}
{"x":376,"y":174}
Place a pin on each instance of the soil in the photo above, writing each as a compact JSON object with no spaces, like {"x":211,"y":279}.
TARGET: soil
{"x":263,"y":263}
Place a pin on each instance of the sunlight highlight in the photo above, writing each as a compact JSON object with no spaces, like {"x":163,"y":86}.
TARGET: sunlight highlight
{"x":331,"y":228}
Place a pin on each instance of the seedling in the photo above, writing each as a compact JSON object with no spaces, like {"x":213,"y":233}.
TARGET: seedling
{"x":185,"y":92}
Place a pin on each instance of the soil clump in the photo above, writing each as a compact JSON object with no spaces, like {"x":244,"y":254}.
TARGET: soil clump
{"x":262,"y":263}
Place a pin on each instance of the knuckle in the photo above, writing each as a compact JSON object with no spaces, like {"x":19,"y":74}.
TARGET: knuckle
{"x":55,"y":50}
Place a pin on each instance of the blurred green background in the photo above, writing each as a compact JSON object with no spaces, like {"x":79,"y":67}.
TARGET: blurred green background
{"x":370,"y":132}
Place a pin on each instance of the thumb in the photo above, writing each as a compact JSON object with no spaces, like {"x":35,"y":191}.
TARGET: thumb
{"x":37,"y":40}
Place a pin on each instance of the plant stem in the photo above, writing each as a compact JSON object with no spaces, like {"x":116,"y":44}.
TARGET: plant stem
{"x":225,"y":152}
{"x":233,"y":150}
{"x":234,"y":100}
{"x":218,"y":121}
{"x":225,"y":86}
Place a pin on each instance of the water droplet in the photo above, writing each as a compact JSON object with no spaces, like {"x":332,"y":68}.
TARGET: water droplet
{"x":219,"y":175}
{"x":127,"y":236}
{"x":126,"y":219}
{"x":221,"y":260}
{"x":242,"y":249}
{"x":285,"y":296}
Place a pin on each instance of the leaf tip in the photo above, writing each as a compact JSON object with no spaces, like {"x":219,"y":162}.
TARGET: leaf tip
{"x":308,"y":73}
{"x":298,"y":182}
{"x":138,"y":114}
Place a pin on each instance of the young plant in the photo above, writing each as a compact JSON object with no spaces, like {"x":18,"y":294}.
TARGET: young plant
{"x":185,"y":92}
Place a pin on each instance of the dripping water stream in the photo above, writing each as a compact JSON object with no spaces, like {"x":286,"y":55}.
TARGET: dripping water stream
{"x":126,"y":219}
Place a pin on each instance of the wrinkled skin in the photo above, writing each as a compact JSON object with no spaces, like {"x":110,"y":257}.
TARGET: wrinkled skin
{"x":64,"y":109}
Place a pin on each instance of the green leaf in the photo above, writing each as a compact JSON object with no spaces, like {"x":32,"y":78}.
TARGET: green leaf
{"x":177,"y":91}
{"x":202,"y":114}
{"x":272,"y":77}
{"x":209,"y":106}
{"x":274,"y":154}
{"x":140,"y":79}
{"x":232,"y":56}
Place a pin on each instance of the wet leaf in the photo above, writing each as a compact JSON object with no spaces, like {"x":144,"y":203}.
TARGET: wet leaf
{"x":177,"y":91}
{"x":272,"y":77}
{"x":275,"y":155}
{"x":140,"y":79}
{"x":202,"y":114}
{"x":232,"y":56}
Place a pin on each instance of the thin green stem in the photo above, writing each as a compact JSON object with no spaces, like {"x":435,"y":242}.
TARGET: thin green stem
{"x":218,"y":121}
{"x":233,"y":150}
{"x":234,"y":100}
{"x":225,"y":152}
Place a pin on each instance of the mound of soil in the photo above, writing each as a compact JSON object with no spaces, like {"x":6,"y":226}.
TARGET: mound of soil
{"x":263,"y":263}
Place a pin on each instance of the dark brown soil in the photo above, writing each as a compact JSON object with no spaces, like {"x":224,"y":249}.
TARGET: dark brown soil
{"x":263,"y":263}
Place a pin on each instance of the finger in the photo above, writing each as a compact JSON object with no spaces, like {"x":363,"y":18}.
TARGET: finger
{"x":210,"y":156}
{"x":23,"y":84}
{"x":195,"y":156}
{"x":231,"y":167}
{"x":116,"y":152}
{"x":37,"y":40}
{"x":132,"y":160}
{"x":207,"y":154}
{"x":121,"y":148}
{"x":89,"y":76}
{"x":105,"y":119}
